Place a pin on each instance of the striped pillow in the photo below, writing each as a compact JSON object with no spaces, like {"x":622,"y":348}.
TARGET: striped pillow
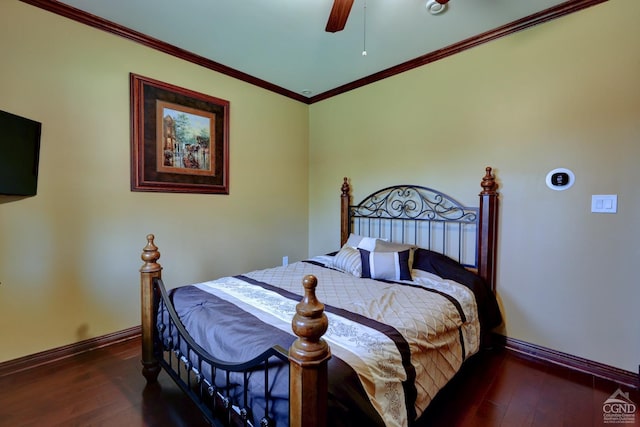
{"x":385,"y":265}
{"x":347,"y":260}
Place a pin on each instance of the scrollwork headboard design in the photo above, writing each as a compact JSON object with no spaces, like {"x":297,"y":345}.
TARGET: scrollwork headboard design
{"x":430,"y":219}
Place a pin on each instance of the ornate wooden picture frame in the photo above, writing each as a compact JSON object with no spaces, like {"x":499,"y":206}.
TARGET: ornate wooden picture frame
{"x":179,"y":139}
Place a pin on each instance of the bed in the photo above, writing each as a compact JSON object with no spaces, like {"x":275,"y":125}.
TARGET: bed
{"x":365,"y":335}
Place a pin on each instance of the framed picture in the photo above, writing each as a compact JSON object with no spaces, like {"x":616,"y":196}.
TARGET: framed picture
{"x":179,"y":139}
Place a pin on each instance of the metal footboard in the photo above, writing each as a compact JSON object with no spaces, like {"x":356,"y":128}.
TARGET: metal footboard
{"x":219,"y":388}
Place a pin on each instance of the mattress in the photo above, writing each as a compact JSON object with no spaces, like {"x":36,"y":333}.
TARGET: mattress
{"x":394,"y":344}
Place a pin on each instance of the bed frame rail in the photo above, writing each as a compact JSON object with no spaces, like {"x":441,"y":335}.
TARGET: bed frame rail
{"x":167,"y":345}
{"x":191,"y":367}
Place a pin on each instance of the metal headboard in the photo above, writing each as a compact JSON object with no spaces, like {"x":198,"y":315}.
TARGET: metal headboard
{"x":429,"y":219}
{"x":421,"y":216}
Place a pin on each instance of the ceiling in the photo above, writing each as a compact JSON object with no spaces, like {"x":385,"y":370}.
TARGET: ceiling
{"x":282,"y":45}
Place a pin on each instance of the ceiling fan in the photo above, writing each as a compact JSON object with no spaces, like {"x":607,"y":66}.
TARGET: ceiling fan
{"x":340,"y":13}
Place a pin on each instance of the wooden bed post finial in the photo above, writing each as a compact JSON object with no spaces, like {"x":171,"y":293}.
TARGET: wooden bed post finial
{"x":149,"y":271}
{"x":488,"y":183}
{"x":345,"y":199}
{"x":150,"y":256}
{"x":308,"y":357}
{"x":488,"y":232}
{"x":345,"y":187}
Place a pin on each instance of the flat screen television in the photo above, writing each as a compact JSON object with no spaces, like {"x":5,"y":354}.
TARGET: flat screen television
{"x":19,"y":154}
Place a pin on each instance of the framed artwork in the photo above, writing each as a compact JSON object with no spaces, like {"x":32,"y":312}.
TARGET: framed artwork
{"x":179,"y":139}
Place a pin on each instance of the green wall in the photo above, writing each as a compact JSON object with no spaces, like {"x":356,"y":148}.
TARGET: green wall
{"x":69,"y":257}
{"x":562,"y":94}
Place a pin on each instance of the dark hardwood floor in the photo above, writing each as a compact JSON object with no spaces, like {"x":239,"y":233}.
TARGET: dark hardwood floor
{"x":104,"y":387}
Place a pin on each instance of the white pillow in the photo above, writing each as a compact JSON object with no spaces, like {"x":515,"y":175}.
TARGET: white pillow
{"x":361,"y":242}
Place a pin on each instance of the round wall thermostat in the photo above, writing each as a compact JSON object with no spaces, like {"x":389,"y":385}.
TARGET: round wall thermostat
{"x":560,"y":179}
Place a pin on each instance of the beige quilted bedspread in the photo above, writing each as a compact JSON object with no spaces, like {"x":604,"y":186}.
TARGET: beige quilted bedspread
{"x":430,"y":323}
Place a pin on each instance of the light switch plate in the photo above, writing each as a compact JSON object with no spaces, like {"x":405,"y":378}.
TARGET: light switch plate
{"x":604,"y":203}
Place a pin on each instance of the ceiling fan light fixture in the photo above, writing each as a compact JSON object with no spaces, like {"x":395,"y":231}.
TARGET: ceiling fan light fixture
{"x":436,"y":7}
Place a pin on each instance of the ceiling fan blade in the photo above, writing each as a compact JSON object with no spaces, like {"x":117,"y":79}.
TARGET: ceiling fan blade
{"x":338,"y":16}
